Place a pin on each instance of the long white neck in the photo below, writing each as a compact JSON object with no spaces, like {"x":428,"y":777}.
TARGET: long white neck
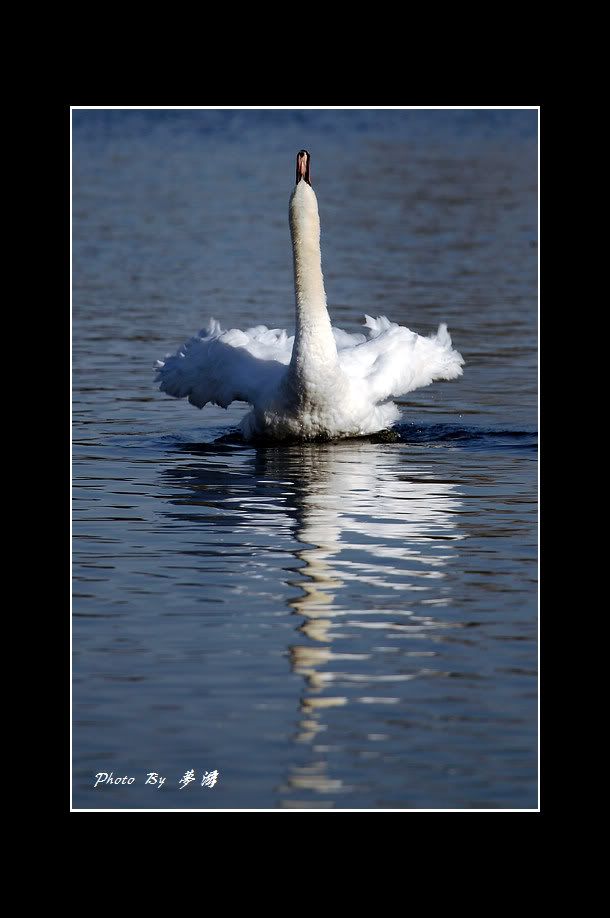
{"x":314,"y":344}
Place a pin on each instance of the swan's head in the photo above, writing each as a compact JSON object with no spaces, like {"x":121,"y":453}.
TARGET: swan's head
{"x":303,"y":160}
{"x":304,"y":218}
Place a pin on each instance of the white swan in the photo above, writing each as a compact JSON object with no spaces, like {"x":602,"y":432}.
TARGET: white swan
{"x":323,"y":382}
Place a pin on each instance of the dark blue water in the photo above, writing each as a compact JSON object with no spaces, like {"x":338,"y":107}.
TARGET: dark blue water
{"x":338,"y":625}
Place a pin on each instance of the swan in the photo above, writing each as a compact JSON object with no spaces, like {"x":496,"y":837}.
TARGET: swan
{"x":322,"y":382}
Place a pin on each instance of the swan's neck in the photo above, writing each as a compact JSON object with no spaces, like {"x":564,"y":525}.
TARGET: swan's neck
{"x":314,"y":343}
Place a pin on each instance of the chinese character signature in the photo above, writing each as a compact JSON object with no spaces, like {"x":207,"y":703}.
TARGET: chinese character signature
{"x":209,"y":778}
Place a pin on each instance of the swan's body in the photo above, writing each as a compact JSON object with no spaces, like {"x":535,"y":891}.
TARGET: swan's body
{"x":323,"y":382}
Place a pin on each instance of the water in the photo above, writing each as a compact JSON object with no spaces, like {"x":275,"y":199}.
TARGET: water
{"x":340,"y":625}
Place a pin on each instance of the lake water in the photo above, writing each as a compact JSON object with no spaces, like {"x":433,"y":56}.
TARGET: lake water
{"x":327,"y":626}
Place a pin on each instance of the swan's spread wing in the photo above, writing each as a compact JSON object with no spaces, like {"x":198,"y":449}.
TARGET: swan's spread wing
{"x":226,"y":366}
{"x":394,"y":360}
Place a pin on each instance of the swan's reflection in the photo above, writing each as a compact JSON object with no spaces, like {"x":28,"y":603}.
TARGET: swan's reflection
{"x":374,"y":532}
{"x":369,"y":525}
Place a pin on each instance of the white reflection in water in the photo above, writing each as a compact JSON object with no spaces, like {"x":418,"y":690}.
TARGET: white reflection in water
{"x":365,"y":520}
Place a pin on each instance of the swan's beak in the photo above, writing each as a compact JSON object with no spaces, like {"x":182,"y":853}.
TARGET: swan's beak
{"x":303,"y":159}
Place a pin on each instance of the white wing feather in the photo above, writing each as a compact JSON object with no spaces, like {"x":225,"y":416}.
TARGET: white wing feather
{"x":226,"y":366}
{"x":394,"y":360}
